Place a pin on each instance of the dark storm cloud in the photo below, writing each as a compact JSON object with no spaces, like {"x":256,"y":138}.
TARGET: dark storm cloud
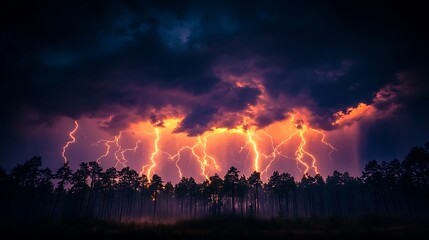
{"x":218,"y":109}
{"x":336,"y":55}
{"x":269,"y":116}
{"x":197,"y":121}
{"x":63,"y":65}
{"x":116,"y":57}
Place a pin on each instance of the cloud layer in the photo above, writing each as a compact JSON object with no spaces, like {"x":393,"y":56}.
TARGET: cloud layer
{"x":212,"y":64}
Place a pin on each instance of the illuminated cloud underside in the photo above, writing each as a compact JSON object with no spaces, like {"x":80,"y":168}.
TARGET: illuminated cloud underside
{"x":152,"y":147}
{"x":191,"y":89}
{"x":291,"y":144}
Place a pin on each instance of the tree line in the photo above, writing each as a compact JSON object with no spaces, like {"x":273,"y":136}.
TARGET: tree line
{"x":396,"y":188}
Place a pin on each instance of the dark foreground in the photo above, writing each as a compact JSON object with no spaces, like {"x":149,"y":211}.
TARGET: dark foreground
{"x":222,"y":228}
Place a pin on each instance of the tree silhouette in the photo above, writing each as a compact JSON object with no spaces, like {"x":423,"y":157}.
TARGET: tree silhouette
{"x":242,"y":191}
{"x":95,"y":172}
{"x":307,"y":188}
{"x":388,"y":189}
{"x":169,"y":191}
{"x":340,"y":187}
{"x":129,"y":181}
{"x":80,"y":187}
{"x":144,"y":192}
{"x":416,"y":170}
{"x":319,"y":191}
{"x":64,"y":176}
{"x":181,"y":192}
{"x":80,"y":179}
{"x":155,"y":188}
{"x":373,"y":177}
{"x":282,"y":185}
{"x":205,"y":195}
{"x":109,"y":185}
{"x":255,"y":184}
{"x":27,"y":175}
{"x":193,"y":192}
{"x":416,"y":165}
{"x":214,"y":190}
{"x":95,"y":176}
{"x":230,"y":183}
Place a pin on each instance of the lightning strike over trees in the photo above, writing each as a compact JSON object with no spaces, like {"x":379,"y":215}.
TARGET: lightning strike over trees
{"x":124,"y":195}
{"x":73,"y":139}
{"x":263,"y":147}
{"x":162,"y":111}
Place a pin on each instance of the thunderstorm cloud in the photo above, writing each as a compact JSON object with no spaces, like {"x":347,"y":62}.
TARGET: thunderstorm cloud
{"x":215,"y":63}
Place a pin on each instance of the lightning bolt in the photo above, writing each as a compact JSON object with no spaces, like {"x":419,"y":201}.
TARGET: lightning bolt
{"x":122,"y":153}
{"x":178,"y":167}
{"x":118,"y":151}
{"x":204,"y":143}
{"x":325,"y":142}
{"x":107,"y":144}
{"x":202,"y":160}
{"x":198,"y":151}
{"x":276,"y":152}
{"x":261,"y":159}
{"x":301,"y":151}
{"x":176,"y":157}
{"x":73,"y":139}
{"x":250,"y":135}
{"x":258,"y":155}
{"x":119,"y":154}
{"x":202,"y":163}
{"x":152,"y":157}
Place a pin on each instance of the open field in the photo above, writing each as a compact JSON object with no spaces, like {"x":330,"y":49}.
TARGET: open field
{"x":222,"y":228}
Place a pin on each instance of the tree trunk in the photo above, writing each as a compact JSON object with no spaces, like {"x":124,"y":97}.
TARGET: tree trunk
{"x":233,"y":201}
{"x":121,"y":206}
{"x":154,"y":206}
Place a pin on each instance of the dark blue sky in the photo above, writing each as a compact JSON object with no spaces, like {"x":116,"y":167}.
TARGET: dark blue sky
{"x":109,"y":58}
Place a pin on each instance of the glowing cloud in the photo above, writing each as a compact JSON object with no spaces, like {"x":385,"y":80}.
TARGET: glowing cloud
{"x":353,"y":114}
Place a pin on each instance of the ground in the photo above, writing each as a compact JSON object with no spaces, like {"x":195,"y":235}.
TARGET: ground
{"x":221,"y":228}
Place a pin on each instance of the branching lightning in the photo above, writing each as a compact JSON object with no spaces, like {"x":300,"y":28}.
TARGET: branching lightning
{"x":325,"y":142}
{"x":301,"y":151}
{"x":206,"y":155}
{"x":176,"y":157}
{"x":202,"y":160}
{"x":276,"y":152}
{"x":134,"y":149}
{"x":107,"y":144}
{"x":73,"y":139}
{"x":264,"y":145}
{"x":153,"y":155}
{"x":119,"y":154}
{"x":301,"y":133}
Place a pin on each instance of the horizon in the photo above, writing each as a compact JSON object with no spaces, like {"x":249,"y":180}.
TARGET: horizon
{"x":192,"y":88}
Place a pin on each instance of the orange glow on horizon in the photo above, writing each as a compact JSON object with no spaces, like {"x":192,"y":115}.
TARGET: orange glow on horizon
{"x":159,"y":148}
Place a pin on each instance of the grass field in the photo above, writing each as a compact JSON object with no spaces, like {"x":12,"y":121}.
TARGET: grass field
{"x":222,"y":228}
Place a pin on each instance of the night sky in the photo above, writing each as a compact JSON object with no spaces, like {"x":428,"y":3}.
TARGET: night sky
{"x":356,"y":71}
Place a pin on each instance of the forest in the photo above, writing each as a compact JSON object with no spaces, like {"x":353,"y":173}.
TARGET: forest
{"x":29,"y":192}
